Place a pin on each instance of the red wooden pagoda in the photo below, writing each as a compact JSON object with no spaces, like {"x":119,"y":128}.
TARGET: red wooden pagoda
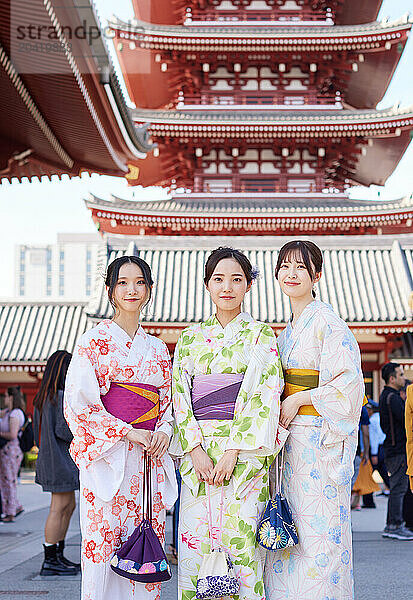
{"x":260,"y":110}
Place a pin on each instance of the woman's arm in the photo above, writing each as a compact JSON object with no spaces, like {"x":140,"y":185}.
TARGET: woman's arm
{"x":95,"y":432}
{"x":187,"y":436}
{"x":14,"y":427}
{"x":257,"y":409}
{"x":339,"y":395}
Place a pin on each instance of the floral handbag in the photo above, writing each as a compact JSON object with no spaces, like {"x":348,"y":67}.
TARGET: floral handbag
{"x":276,"y":528}
{"x":216,"y":577}
{"x":142,"y":557}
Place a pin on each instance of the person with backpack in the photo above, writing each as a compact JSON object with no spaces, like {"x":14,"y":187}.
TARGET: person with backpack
{"x":12,"y":419}
{"x":392,"y":422}
{"x":55,"y":470}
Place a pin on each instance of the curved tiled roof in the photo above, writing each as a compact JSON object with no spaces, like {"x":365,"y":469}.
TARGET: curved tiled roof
{"x":258,"y":31}
{"x":367,"y":281}
{"x":32,"y":331}
{"x":260,"y":204}
{"x":276,"y":117}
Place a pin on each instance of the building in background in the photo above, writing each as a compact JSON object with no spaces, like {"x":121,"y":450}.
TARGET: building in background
{"x":65,"y":270}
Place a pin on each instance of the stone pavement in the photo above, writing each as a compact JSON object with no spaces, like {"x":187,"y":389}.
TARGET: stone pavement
{"x":383,"y":568}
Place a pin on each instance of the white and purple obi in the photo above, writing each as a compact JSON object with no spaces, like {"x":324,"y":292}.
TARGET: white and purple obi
{"x":214,"y":396}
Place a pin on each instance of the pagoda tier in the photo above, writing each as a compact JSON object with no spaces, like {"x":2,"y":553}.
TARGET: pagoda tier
{"x":175,"y":12}
{"x":235,"y":214}
{"x":273,"y":151}
{"x":272,"y":65}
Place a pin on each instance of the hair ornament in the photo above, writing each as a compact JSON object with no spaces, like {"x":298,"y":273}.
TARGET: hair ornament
{"x":255,"y":273}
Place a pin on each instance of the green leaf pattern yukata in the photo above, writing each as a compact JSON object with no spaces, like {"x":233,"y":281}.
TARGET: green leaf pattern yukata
{"x":248,"y":347}
{"x":319,"y":455}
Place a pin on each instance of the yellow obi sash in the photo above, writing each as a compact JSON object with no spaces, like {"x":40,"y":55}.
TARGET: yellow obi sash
{"x":298,"y":380}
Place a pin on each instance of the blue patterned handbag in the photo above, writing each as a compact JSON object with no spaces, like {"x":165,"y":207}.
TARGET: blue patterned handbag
{"x":276,"y":528}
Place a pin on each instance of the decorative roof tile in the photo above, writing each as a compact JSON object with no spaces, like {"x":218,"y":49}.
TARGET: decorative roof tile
{"x":32,"y":331}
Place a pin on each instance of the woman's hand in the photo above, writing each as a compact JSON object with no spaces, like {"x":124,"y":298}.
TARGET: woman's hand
{"x":291,"y":405}
{"x":203,"y":465}
{"x":142,"y":437}
{"x":159,"y":444}
{"x":225,"y":466}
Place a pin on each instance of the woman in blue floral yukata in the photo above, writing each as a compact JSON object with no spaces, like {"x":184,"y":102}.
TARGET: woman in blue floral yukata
{"x":321,"y":407}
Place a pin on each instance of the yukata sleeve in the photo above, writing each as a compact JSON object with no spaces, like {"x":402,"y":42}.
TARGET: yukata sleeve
{"x":339,"y":396}
{"x":255,"y":428}
{"x":99,"y":447}
{"x":187,"y":433}
{"x":165,"y":421}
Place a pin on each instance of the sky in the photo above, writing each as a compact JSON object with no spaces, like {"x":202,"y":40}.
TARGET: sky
{"x":33,"y":213}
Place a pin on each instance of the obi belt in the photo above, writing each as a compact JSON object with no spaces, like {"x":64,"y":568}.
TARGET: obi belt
{"x":134,"y":403}
{"x":214,"y":396}
{"x":297,"y":380}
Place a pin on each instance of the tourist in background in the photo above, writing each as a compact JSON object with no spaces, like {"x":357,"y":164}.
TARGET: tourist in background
{"x":55,"y":470}
{"x":227,"y":380}
{"x":12,"y":419}
{"x":377,"y":438}
{"x":361,"y":457}
{"x":117,"y":359}
{"x":392,"y":422}
{"x":321,"y":406}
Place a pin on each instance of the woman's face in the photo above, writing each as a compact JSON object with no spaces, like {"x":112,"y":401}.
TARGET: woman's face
{"x":130,"y":291}
{"x":228,"y":285}
{"x":294,"y":279}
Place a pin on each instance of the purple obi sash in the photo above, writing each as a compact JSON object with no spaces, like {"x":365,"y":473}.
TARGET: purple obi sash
{"x":134,"y":403}
{"x":214,"y":396}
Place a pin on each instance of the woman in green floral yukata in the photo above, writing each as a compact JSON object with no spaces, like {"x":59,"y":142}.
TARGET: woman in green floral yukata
{"x":227,"y":381}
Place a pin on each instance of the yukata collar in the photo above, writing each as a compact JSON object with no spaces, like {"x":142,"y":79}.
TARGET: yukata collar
{"x":212,"y":321}
{"x":121,"y":334}
{"x":293,"y":333}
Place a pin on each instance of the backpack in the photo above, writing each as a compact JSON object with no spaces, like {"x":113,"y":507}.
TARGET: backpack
{"x":26,"y":435}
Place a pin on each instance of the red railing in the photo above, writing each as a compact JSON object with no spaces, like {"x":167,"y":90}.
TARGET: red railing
{"x":282,"y":16}
{"x":258,"y":187}
{"x":259,"y":98}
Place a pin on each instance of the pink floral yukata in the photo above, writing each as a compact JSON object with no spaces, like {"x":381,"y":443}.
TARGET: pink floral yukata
{"x":111,"y":467}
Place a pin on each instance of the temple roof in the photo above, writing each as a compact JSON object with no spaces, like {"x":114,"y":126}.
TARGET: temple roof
{"x":356,"y":119}
{"x":367,"y":280}
{"x":67,"y":113}
{"x":236,"y":204}
{"x":216,"y":37}
{"x":252,"y":214}
{"x":366,"y":55}
{"x":387,"y":132}
{"x":32,"y":331}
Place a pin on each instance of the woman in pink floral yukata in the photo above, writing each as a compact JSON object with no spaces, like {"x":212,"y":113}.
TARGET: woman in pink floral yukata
{"x":118,"y":355}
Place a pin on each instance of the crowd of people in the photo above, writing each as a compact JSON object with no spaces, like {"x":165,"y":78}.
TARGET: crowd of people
{"x":210,"y":428}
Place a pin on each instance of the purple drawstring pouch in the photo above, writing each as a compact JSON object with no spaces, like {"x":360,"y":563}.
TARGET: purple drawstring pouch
{"x":142,"y":557}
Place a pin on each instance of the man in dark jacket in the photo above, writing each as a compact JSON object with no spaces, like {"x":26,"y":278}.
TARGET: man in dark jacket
{"x":391,"y":407}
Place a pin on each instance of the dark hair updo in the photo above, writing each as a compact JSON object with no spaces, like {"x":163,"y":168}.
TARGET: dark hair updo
{"x":224,"y":252}
{"x":112,"y":275}
{"x":307,"y":251}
